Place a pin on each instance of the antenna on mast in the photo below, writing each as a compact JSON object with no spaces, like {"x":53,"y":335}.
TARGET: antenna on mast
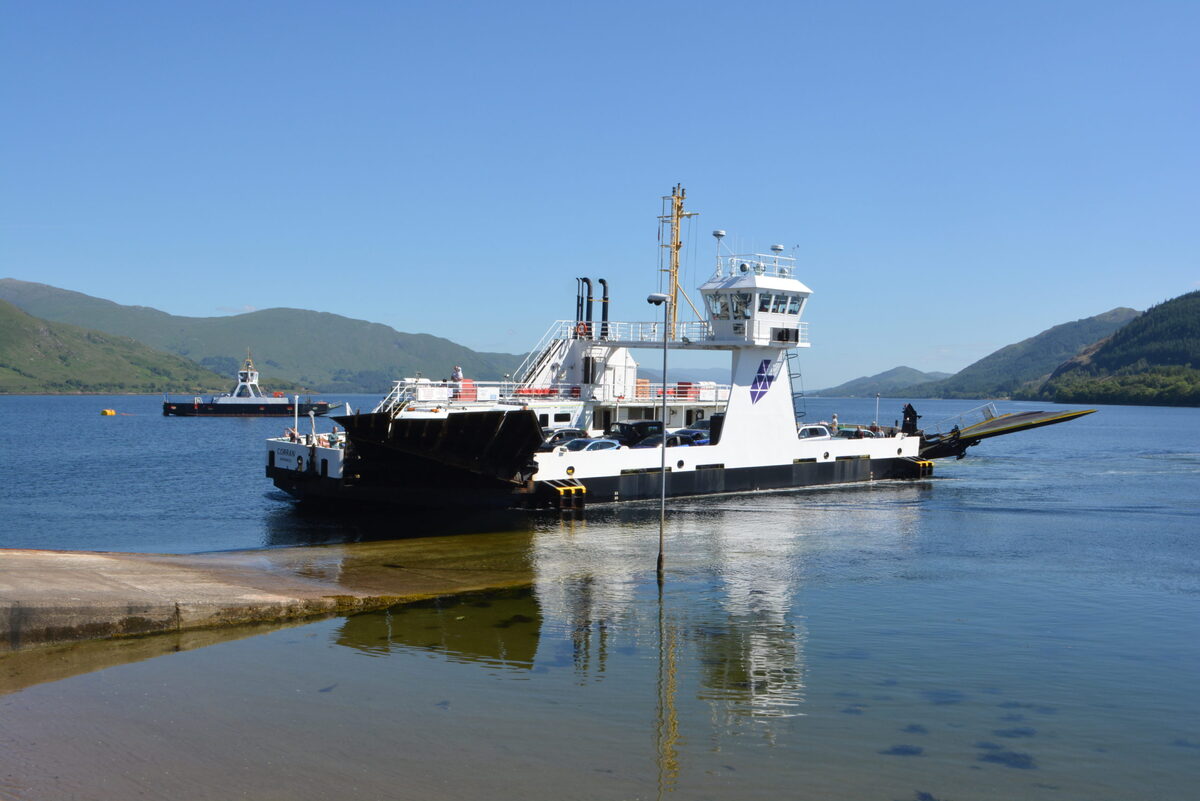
{"x":718,"y":235}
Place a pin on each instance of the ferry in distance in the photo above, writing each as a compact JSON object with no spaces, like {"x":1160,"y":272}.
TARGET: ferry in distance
{"x":577,"y":426}
{"x":246,"y":399}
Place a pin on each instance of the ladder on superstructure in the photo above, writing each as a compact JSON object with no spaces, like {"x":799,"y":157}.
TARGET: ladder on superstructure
{"x":799,"y":404}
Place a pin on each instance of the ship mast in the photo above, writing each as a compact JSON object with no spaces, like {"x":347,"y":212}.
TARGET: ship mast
{"x":678,"y":193}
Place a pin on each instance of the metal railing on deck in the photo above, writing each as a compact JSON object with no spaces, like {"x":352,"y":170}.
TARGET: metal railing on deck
{"x":972,"y":417}
{"x":764,"y":329}
{"x":650,"y":333}
{"x":614,"y":331}
{"x":423,"y":391}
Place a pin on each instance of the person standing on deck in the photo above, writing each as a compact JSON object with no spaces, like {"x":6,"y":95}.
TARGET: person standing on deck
{"x":457,"y":374}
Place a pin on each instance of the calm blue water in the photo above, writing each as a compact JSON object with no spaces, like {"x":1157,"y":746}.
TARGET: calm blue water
{"x":1026,"y":625}
{"x":141,"y":482}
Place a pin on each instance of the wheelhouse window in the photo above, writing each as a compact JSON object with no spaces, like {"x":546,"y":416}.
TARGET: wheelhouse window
{"x":778,"y":303}
{"x":718,"y":306}
{"x":742,"y":304}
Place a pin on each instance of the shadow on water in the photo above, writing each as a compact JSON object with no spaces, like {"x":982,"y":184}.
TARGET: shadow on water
{"x":298,"y":524}
{"x":292,"y":524}
{"x":22,"y":669}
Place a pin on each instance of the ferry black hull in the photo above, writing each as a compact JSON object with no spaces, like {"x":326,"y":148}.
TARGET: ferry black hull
{"x":715,"y":481}
{"x":241,"y":410}
{"x":486,"y":460}
{"x":474,"y":492}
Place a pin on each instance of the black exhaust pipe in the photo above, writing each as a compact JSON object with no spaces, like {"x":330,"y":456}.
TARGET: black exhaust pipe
{"x":588,"y":313}
{"x":578,"y":301}
{"x":603,"y":309}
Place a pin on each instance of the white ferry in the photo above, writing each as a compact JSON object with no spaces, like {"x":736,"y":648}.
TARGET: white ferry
{"x":246,"y":399}
{"x":474,"y":443}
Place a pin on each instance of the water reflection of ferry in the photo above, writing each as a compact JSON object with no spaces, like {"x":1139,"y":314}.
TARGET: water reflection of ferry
{"x":499,"y":628}
{"x":734,"y":638}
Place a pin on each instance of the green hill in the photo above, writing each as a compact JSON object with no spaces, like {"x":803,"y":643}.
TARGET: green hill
{"x":889,"y":383}
{"x":325,"y":352}
{"x":1154,"y":360}
{"x":37,"y":356}
{"x":1025,"y":365}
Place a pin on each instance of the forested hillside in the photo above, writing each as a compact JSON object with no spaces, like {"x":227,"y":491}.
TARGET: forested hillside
{"x":37,"y":356}
{"x":1153,"y":360}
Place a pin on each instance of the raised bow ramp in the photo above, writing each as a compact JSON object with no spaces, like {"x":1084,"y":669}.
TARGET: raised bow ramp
{"x":955,"y":441}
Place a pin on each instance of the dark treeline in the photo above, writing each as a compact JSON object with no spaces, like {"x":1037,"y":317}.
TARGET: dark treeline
{"x":1153,"y":360}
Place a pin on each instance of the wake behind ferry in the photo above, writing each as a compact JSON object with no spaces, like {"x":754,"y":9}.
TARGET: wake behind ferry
{"x":476,"y":443}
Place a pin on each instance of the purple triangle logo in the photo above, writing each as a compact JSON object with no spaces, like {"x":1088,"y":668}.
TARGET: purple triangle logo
{"x":762,"y":381}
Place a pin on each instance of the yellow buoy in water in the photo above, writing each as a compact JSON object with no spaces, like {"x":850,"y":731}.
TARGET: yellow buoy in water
{"x":108,"y":412}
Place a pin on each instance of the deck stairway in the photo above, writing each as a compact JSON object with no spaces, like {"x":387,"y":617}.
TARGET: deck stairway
{"x":551,"y":345}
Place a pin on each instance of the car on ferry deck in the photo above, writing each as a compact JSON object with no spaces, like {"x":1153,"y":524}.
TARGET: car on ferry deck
{"x":591,"y":445}
{"x":673,"y":441}
{"x":694,"y":436}
{"x":813,"y":432}
{"x":631,"y":433}
{"x":859,"y":432}
{"x":560,"y":436}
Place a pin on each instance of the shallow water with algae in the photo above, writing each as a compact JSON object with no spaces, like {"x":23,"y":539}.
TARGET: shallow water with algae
{"x":1024,"y":625}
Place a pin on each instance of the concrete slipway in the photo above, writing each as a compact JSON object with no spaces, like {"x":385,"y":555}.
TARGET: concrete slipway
{"x":53,"y":597}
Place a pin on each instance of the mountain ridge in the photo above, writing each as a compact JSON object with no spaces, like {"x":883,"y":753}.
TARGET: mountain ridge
{"x":893,"y":380}
{"x":1022,"y":365}
{"x":323,"y":351}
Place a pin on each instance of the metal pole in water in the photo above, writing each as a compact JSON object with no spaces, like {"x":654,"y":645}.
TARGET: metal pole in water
{"x":659,"y":299}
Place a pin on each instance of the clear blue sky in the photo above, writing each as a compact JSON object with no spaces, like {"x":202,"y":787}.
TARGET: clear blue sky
{"x":958,"y":176}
